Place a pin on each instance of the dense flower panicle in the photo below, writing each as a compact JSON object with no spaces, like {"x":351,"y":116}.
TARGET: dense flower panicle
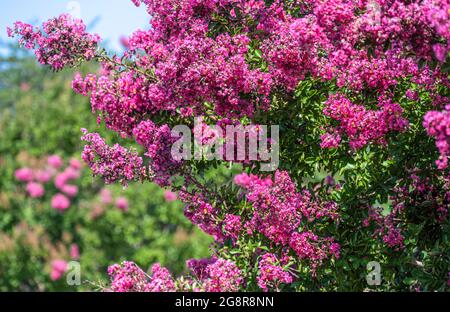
{"x":309,"y":246}
{"x":279,"y":208}
{"x":158,"y":141}
{"x":279,"y":211}
{"x":112,"y":163}
{"x":212,"y":275}
{"x":61,"y":42}
{"x":271,"y":274}
{"x":204,"y":134}
{"x":84,"y":85}
{"x":437,"y":125}
{"x":201,"y":213}
{"x":127,"y":277}
{"x":330,"y":140}
{"x":223,"y":276}
{"x":363,"y":126}
{"x":161,"y":280}
{"x":232,"y":226}
{"x":292,"y":51}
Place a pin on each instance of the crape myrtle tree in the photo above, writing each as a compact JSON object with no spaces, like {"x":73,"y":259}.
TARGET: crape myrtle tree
{"x":360,"y":92}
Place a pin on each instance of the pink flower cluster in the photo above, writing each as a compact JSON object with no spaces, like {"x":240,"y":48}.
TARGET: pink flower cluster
{"x":212,"y":275}
{"x":58,"y":269}
{"x":271,"y":273}
{"x":308,"y":245}
{"x":37,"y":178}
{"x":362,"y":126}
{"x":158,"y":141}
{"x":437,"y":125}
{"x":223,"y":276}
{"x":232,"y":226}
{"x":201,"y":213}
{"x":63,"y":41}
{"x":127,"y":277}
{"x":112,"y":163}
{"x":279,"y":210}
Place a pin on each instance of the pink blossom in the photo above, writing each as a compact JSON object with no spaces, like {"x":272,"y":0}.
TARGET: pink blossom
{"x":232,"y":226}
{"x":122,"y":204}
{"x":24,"y":175}
{"x":43,"y":176}
{"x":60,"y":42}
{"x":271,"y":275}
{"x":70,"y":190}
{"x":55,"y":161}
{"x":60,"y":202}
{"x":35,"y":190}
{"x":170,"y":196}
{"x":112,"y":163}
{"x":58,"y":268}
{"x":223,"y":276}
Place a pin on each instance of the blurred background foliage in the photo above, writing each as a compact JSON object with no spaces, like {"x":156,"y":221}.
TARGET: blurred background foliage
{"x":40,"y":115}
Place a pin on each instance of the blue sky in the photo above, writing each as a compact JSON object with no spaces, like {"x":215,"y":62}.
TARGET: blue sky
{"x":109,"y":18}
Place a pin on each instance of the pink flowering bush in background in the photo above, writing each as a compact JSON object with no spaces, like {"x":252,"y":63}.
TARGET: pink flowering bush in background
{"x":360,"y":90}
{"x":38,"y":178}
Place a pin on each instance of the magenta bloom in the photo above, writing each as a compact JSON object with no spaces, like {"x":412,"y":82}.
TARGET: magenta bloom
{"x":70,"y":190}
{"x":122,"y":203}
{"x":59,"y":267}
{"x":72,"y":173}
{"x":60,"y":202}
{"x":61,"y":180}
{"x":60,"y":42}
{"x":170,"y":196}
{"x":55,"y":161}
{"x":232,"y":226}
{"x":35,"y":190}
{"x":24,"y":175}
{"x":43,"y":176}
